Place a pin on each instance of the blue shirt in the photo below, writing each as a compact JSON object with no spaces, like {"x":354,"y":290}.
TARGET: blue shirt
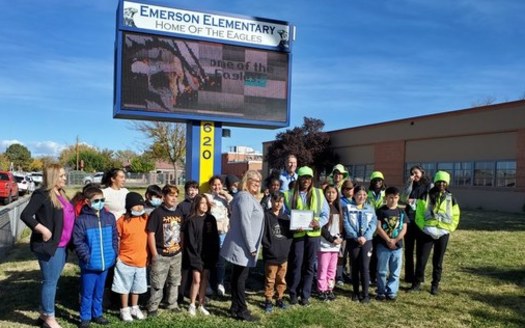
{"x":286,"y":178}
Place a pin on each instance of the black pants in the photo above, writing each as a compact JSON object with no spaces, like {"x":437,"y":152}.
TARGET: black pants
{"x":238,"y":290}
{"x":410,"y":246}
{"x":373,"y":259}
{"x":301,"y":266}
{"x":360,"y":265}
{"x":424,"y":244}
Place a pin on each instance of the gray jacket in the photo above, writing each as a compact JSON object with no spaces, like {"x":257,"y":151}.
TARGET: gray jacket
{"x":246,"y":230}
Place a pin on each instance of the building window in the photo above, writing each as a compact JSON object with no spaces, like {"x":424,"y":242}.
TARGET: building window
{"x":361,"y":173}
{"x":484,"y":174}
{"x":506,"y":174}
{"x":463,"y":174}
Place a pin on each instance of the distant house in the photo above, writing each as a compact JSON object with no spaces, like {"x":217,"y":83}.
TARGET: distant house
{"x":241,"y":159}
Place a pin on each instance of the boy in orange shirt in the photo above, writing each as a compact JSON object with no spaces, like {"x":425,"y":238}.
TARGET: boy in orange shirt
{"x":130,"y":270}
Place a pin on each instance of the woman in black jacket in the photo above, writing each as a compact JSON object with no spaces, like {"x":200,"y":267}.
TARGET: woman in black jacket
{"x":51,"y":217}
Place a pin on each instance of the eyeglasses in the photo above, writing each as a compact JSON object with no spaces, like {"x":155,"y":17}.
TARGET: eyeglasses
{"x":98,"y":200}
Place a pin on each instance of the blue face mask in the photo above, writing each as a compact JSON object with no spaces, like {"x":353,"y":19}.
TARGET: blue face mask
{"x":137,"y":213}
{"x":155,"y":202}
{"x":98,"y":206}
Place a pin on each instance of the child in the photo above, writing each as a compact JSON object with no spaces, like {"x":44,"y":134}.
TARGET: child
{"x":130,"y":271}
{"x":276,"y":244}
{"x":165,"y":238}
{"x":95,"y":241}
{"x":273,"y":186}
{"x":391,"y":229}
{"x":153,"y":198}
{"x":360,"y":223}
{"x":376,"y":198}
{"x":201,"y":250}
{"x":329,"y":246}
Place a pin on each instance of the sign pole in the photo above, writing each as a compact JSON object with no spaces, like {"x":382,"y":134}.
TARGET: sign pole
{"x":203,"y":151}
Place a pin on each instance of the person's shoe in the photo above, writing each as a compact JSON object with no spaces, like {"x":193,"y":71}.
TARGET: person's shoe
{"x":365,"y":300}
{"x":323,"y":296}
{"x":247,"y":317}
{"x":202,"y":310}
{"x":192,"y":311}
{"x":84,"y":324}
{"x":330,"y":295}
{"x":136,"y":313}
{"x":434,"y":290}
{"x":152,"y":314}
{"x":268,"y":307}
{"x":175,"y":308}
{"x":305,"y":302}
{"x":293,"y":300}
{"x":100,"y":320}
{"x":125,"y":314}
{"x":391,"y":298}
{"x":380,"y":297}
{"x":221,"y":291}
{"x":340,"y":283}
{"x":355,"y":297}
{"x":416,"y":287}
{"x":281,"y":305}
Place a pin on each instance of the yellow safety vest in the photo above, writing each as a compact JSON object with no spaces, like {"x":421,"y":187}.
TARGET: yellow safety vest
{"x":316,"y":206}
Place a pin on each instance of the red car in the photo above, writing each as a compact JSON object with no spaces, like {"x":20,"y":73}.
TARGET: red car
{"x":8,"y":187}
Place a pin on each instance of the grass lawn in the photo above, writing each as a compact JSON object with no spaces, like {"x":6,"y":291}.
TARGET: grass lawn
{"x":483,"y":285}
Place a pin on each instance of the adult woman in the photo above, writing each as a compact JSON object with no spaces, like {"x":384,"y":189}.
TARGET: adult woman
{"x":360,"y":222}
{"x":220,"y":200}
{"x":51,"y":218}
{"x":115,"y":193}
{"x":338,"y":176}
{"x":437,"y":215}
{"x":305,"y":244}
{"x":418,"y":184}
{"x":241,"y":245}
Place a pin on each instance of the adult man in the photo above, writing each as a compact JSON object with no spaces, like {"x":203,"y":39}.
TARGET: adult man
{"x":289,"y":174}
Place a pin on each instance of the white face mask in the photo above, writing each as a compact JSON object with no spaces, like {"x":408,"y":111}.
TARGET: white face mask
{"x":155,"y":202}
{"x":137,"y":213}
{"x":98,"y":206}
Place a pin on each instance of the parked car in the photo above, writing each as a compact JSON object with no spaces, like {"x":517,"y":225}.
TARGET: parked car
{"x":96,"y":178}
{"x":25,"y":183}
{"x":8,"y":187}
{"x":37,"y":177}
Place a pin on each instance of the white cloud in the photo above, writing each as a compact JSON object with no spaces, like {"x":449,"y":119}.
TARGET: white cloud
{"x":6,"y":143}
{"x":45,"y":148}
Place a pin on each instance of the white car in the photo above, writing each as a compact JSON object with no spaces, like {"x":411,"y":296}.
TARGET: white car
{"x":96,"y":178}
{"x":25,"y":183}
{"x":37,"y":177}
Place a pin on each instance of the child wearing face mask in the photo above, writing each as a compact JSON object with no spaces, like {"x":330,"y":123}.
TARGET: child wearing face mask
{"x":153,"y":196}
{"x":130,"y":270}
{"x":95,"y":241}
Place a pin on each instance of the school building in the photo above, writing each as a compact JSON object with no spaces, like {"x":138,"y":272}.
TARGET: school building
{"x":483,"y":148}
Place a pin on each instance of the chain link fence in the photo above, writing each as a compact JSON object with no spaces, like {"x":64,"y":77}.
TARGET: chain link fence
{"x":80,"y":178}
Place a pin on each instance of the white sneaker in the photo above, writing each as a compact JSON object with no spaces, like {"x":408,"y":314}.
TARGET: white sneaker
{"x":125,"y":314}
{"x":220,"y":290}
{"x":136,"y":313}
{"x":203,"y":310}
{"x":191,"y":310}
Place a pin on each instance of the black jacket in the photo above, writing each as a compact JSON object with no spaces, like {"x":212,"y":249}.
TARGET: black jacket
{"x":40,"y":209}
{"x":277,"y":238}
{"x":202,"y":244}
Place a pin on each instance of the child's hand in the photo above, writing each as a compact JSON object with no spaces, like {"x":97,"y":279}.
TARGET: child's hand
{"x":338,"y":241}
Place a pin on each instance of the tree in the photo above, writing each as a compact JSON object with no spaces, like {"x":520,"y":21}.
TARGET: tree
{"x":169,"y":141}
{"x":308,"y":143}
{"x":142,"y":164}
{"x":4,"y":163}
{"x":19,"y":155}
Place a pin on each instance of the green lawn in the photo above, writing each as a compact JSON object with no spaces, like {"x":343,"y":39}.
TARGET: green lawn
{"x":483,"y":286}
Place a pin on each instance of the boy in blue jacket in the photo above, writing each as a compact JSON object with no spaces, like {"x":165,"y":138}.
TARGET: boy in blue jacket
{"x":96,"y":243}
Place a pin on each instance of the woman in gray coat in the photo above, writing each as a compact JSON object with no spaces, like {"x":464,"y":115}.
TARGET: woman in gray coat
{"x":241,"y":245}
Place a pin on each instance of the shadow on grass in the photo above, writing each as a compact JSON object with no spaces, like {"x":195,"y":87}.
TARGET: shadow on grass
{"x":516,"y":276}
{"x":510,"y":309}
{"x":491,"y":221}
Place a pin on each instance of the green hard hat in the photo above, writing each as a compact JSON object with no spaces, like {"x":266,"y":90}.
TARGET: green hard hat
{"x":305,"y":170}
{"x":442,"y":176}
{"x":377,"y":175}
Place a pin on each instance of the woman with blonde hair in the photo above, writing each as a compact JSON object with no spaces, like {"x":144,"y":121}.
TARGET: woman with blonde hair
{"x":241,"y":245}
{"x":51,"y":218}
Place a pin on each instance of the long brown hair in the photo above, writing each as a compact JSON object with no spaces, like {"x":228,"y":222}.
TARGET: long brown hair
{"x":196,"y":203}
{"x":50,"y":180}
{"x":337,"y":205}
{"x":295,"y":194}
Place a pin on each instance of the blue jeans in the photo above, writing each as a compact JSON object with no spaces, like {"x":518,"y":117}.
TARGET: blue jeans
{"x":389,"y":264}
{"x":51,"y":268}
{"x":92,"y":293}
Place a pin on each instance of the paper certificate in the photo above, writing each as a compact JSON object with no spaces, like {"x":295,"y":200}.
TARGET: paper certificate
{"x":301,"y":220}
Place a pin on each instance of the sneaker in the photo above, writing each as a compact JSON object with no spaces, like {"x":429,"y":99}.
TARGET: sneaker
{"x":355,"y":297}
{"x":101,"y":320}
{"x":192,"y":310}
{"x":247,"y":317}
{"x":340,"y":283}
{"x":305,"y":302}
{"x":221,"y":291}
{"x":365,"y":300}
{"x":125,"y":314}
{"x":268,"y":307}
{"x":174,"y":308}
{"x":83,"y":324}
{"x":202,"y":310}
{"x":136,"y":313}
{"x":330,"y":295}
{"x":281,"y":305}
{"x":391,"y":298}
{"x":380,"y":297}
{"x":416,"y":287}
{"x":152,"y":314}
{"x":293,"y":300}
{"x":434,"y":290}
{"x":323,"y":296}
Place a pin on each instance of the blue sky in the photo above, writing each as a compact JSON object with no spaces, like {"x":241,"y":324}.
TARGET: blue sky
{"x":355,"y":62}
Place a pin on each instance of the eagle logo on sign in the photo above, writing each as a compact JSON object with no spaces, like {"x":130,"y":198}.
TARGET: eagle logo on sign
{"x":128,"y":16}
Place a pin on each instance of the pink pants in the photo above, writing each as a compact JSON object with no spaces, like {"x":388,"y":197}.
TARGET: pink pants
{"x":326,"y":269}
